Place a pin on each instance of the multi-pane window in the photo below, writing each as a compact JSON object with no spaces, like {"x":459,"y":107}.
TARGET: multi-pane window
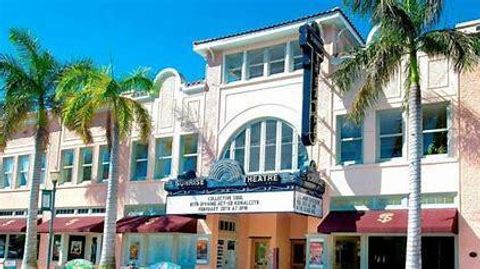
{"x":86,"y":164}
{"x":297,"y":55}
{"x":350,"y":141}
{"x":255,"y":60}
{"x":233,"y":67}
{"x":239,"y":148}
{"x":7,"y":172}
{"x":140,"y":161}
{"x":268,"y":145}
{"x":104,"y":164}
{"x":261,"y":62}
{"x":188,"y":153}
{"x":435,"y":129}
{"x":390,"y":134}
{"x":43,"y":169}
{"x":254,"y":157}
{"x":23,"y":170}
{"x":68,"y":157}
{"x":276,"y":59}
{"x":163,"y":164}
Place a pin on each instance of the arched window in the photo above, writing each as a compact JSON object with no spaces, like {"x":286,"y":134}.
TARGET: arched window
{"x":267,"y":146}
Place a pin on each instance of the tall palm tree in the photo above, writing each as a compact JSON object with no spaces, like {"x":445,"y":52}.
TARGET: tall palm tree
{"x":86,"y":91}
{"x":29,"y":80}
{"x":405,"y":28}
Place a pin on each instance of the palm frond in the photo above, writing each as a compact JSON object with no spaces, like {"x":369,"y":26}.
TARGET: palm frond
{"x":123,"y":116}
{"x":461,"y":48}
{"x":26,"y":45}
{"x":141,"y":116}
{"x":16,"y":78}
{"x":16,"y":110}
{"x":363,"y":7}
{"x":432,"y":10}
{"x":137,"y":81}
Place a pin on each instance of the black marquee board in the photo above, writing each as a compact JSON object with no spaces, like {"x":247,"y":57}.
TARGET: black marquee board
{"x":311,"y":44}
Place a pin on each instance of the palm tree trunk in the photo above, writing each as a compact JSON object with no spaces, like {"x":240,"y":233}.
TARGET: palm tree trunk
{"x":30,"y":255}
{"x":107,"y":259}
{"x":414,"y":233}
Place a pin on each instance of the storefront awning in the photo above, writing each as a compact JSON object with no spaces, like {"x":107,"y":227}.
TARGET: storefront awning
{"x":157,"y":224}
{"x":74,"y":225}
{"x":444,"y":220}
{"x":13,"y":225}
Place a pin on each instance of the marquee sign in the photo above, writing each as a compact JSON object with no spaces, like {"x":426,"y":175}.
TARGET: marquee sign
{"x":227,"y":189}
{"x":311,"y":44}
{"x":253,"y":202}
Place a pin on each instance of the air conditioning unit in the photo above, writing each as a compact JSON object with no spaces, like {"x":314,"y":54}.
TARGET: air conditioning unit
{"x":469,"y":26}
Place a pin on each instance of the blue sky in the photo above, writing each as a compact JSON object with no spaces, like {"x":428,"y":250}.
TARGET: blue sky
{"x":159,"y":33}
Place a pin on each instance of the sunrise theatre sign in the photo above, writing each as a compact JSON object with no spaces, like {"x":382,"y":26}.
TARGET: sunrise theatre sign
{"x":228,"y":190}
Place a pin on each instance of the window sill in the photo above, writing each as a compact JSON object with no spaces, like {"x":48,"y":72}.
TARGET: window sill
{"x":262,"y":79}
{"x":429,"y":160}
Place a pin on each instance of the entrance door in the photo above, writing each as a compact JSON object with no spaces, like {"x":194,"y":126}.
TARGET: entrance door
{"x":347,"y":252}
{"x":226,"y":254}
{"x":297,"y":250}
{"x":76,"y":247}
{"x":260,"y":249}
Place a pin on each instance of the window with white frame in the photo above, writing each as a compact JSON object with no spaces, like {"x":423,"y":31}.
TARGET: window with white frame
{"x":188,"y":153}
{"x":296,"y":56}
{"x":7,"y":172}
{"x":262,"y":62}
{"x":435,"y":129}
{"x":163,"y":162}
{"x":255,"y":63}
{"x":390,"y":134}
{"x":104,"y":164}
{"x":233,"y":67}
{"x":140,"y":161}
{"x":86,"y":164}
{"x":349,"y":147}
{"x":23,"y":170}
{"x":43,"y":169}
{"x":68,"y":157}
{"x":267,"y":145}
{"x":276,"y":59}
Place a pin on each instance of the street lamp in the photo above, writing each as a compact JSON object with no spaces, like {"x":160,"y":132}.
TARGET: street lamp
{"x":54,"y":177}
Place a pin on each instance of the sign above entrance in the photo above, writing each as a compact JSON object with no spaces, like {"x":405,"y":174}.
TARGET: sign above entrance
{"x":258,"y":202}
{"x":227,"y":189}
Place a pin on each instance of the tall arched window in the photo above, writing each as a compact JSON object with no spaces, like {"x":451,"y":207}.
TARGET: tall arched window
{"x":267,"y":146}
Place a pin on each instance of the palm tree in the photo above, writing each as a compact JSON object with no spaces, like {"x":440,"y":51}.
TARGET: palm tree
{"x":86,"y":91}
{"x":405,"y":28}
{"x":29,"y":86}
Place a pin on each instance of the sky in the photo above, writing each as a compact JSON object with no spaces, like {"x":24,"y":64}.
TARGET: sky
{"x":159,"y":33}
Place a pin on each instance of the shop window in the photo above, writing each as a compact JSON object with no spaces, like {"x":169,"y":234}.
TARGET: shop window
{"x":43,"y":169}
{"x":57,"y":247}
{"x":186,"y":250}
{"x":297,"y":56}
{"x":160,"y":248}
{"x":16,"y":243}
{"x":3,"y":245}
{"x":23,"y":170}
{"x":276,"y":59}
{"x":255,"y":63}
{"x":233,"y":67}
{"x":435,"y":129}
{"x":163,"y":165}
{"x":104,"y":164}
{"x":67,"y":165}
{"x":390,"y":134}
{"x":94,"y":250}
{"x":268,"y":145}
{"x":140,"y":161}
{"x":350,"y":141}
{"x":189,"y":153}
{"x":86,"y":164}
{"x":7,"y":172}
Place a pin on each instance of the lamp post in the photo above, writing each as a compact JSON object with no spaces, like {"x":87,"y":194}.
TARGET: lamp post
{"x":54,"y":177}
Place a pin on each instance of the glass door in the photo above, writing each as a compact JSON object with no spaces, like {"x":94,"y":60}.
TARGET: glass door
{"x":347,"y":252}
{"x":261,"y":249}
{"x":298,"y":253}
